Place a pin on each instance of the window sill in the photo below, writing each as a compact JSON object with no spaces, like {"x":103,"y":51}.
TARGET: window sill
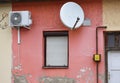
{"x":53,"y":67}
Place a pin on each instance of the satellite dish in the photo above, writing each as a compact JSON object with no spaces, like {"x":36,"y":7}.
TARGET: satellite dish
{"x":72,"y":15}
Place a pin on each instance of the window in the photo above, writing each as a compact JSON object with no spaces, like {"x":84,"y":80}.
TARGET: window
{"x":56,"y":49}
{"x":112,"y":40}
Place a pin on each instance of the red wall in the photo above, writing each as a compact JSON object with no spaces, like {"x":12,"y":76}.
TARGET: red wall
{"x":30,"y":53}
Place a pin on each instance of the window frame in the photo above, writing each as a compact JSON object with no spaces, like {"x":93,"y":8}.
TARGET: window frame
{"x":55,"y":34}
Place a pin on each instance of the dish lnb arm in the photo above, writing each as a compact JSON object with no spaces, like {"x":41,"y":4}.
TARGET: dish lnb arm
{"x":77,"y":20}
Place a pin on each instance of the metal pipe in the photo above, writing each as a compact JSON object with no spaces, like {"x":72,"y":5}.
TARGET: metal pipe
{"x":97,"y":71}
{"x":97,"y":37}
{"x":18,"y":35}
{"x":76,"y":22}
{"x":97,"y":65}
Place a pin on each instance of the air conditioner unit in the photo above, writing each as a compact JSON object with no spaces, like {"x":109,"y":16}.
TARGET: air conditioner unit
{"x":20,"y":19}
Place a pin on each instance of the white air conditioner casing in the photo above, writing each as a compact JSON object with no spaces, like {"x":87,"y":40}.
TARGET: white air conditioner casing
{"x":20,"y":19}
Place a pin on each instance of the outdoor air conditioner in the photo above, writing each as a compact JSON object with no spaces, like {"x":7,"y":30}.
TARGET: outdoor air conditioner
{"x":20,"y":19}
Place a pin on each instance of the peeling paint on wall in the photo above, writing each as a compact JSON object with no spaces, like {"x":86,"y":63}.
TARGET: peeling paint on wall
{"x":20,"y":79}
{"x":85,"y":74}
{"x":4,"y":16}
{"x":102,"y":77}
{"x":56,"y":80}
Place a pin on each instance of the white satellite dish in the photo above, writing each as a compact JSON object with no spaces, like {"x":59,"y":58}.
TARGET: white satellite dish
{"x":72,"y":15}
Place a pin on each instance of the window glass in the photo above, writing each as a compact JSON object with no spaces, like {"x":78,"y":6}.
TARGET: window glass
{"x":111,"y":40}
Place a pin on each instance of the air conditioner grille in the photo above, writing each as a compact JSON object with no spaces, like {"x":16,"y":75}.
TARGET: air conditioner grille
{"x":16,"y":18}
